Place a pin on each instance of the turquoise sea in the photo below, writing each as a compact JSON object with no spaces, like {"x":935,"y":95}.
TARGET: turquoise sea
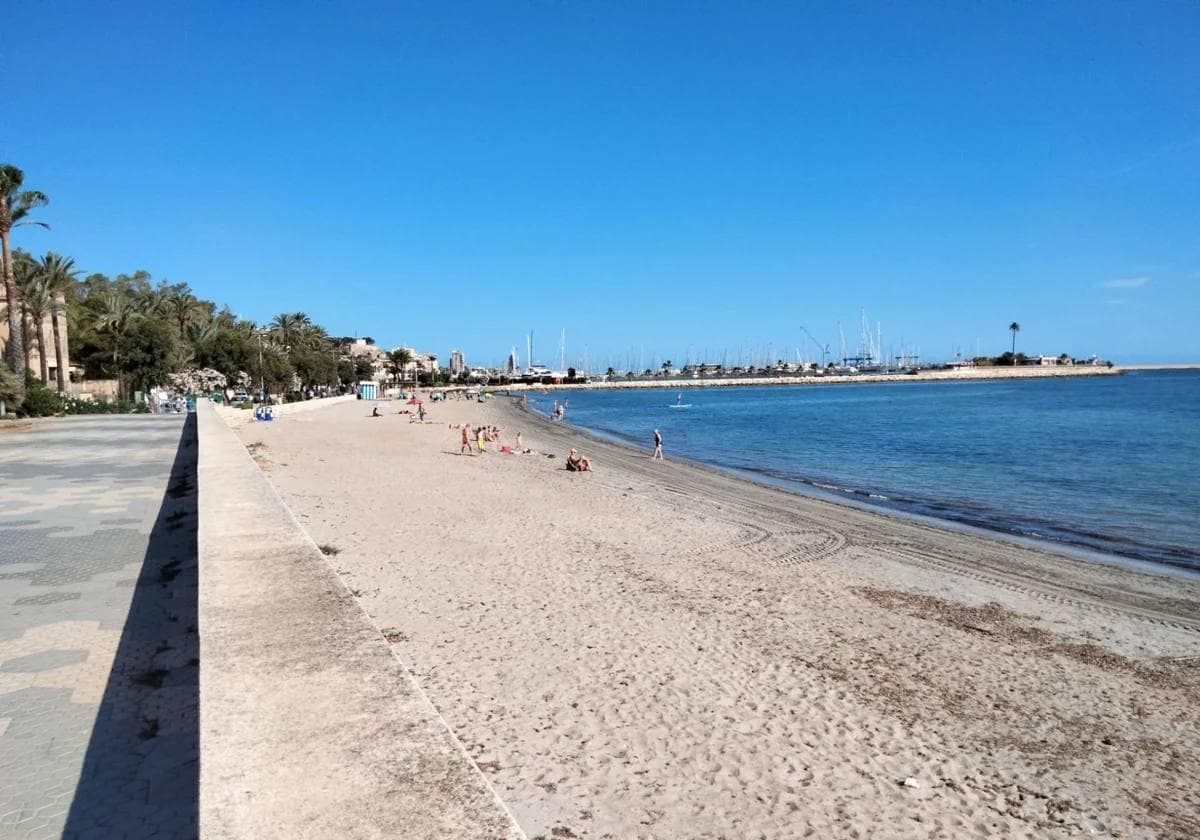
{"x":1104,"y":463}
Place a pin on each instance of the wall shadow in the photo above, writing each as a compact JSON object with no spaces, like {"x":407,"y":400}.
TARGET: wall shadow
{"x":141,"y":772}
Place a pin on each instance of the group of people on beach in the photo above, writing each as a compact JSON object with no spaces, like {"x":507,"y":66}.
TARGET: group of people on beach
{"x":481,"y":435}
{"x":418,"y":417}
{"x":474,"y":440}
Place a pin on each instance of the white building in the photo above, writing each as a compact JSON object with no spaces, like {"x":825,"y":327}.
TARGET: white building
{"x":418,"y":363}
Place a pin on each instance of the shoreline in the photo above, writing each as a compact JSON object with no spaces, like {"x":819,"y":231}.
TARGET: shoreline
{"x":1046,"y":552}
{"x":963,"y":375}
{"x":665,"y":650}
{"x":866,"y":500}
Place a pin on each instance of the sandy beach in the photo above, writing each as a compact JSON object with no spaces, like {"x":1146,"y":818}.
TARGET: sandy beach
{"x":658,"y":650}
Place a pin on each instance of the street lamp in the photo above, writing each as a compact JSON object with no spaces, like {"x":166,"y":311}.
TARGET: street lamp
{"x":262,"y":386}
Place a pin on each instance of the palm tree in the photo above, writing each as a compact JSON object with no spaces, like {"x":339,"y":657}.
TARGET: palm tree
{"x":1015,"y":328}
{"x":15,"y":206}
{"x":310,"y":336}
{"x":183,"y":307}
{"x":118,"y":313}
{"x":59,"y":273}
{"x":25,"y":273}
{"x":666,"y":367}
{"x":36,"y":298}
{"x":400,"y":358}
{"x":154,"y":302}
{"x":199,"y":332}
{"x":286,"y":324}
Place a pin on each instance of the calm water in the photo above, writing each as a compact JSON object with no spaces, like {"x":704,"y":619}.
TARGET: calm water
{"x":1108,"y":463}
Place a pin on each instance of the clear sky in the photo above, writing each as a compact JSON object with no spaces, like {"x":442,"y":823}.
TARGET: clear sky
{"x":653,"y":177}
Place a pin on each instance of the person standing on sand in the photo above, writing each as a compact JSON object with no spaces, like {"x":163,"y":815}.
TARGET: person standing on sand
{"x":479,"y":439}
{"x":466,"y":440}
{"x":657,"y":456}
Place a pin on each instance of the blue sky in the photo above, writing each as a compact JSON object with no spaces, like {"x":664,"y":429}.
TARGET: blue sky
{"x":651,"y":177}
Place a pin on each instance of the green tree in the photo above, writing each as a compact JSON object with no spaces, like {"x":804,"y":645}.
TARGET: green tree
{"x":227,"y":351}
{"x":25,"y":273}
{"x":315,"y":368}
{"x":59,"y":273}
{"x":35,"y":300}
{"x":199,"y":332}
{"x":287,"y":326}
{"x":117,"y":315}
{"x":40,"y":401}
{"x":311,"y":336}
{"x":150,"y":346}
{"x":271,"y":368}
{"x":183,"y":307}
{"x":363,"y":369}
{"x":15,"y":206}
{"x":10,"y":389}
{"x":1014,"y":328}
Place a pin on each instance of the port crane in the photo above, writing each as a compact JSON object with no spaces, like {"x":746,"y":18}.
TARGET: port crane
{"x":824,"y":348}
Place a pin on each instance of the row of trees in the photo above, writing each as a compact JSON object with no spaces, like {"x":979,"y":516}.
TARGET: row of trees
{"x":16,"y":206}
{"x":139,"y":332}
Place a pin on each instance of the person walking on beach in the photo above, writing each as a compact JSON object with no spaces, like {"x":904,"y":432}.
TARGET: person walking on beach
{"x":480,"y":438}
{"x":466,"y":440}
{"x":657,"y":456}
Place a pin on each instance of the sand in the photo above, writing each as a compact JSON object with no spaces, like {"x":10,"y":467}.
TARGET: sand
{"x":659,"y":650}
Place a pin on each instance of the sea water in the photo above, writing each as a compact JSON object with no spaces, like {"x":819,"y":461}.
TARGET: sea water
{"x":1107,"y":463}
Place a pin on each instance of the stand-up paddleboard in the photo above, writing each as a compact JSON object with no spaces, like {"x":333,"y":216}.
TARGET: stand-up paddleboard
{"x":679,"y":403}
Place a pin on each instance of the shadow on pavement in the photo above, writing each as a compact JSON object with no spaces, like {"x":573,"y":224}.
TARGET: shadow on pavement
{"x":141,"y":773}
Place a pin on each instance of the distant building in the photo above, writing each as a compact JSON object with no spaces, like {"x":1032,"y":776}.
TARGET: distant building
{"x":418,"y":363}
{"x":360,"y":348}
{"x":458,"y":362}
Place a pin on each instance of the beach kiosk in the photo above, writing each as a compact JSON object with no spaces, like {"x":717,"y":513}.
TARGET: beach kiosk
{"x":367,"y":390}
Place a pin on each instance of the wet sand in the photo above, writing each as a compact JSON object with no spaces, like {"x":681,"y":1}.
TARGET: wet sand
{"x":660,"y":650}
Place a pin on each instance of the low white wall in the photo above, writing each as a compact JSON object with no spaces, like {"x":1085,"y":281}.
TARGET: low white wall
{"x":309,"y":726}
{"x":235,"y":417}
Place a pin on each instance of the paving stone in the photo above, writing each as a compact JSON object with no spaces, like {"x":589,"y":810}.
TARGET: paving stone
{"x":97,"y":592}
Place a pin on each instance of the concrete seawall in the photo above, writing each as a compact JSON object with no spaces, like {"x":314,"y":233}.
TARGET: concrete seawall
{"x":240,"y":416}
{"x":309,"y":726}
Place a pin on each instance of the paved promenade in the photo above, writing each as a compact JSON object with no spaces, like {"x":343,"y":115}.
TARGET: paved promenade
{"x":98,"y":636}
